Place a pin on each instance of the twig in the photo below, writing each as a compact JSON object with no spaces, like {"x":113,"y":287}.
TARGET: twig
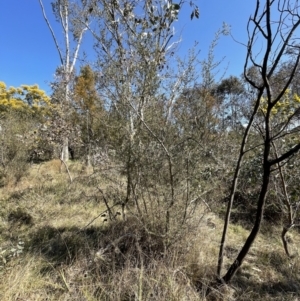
{"x":66,"y":166}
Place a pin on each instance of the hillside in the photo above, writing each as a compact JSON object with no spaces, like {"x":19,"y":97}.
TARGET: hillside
{"x":58,"y":243}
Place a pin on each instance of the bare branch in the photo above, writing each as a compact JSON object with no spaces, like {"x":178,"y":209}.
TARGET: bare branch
{"x":52,"y":32}
{"x":286,"y":155}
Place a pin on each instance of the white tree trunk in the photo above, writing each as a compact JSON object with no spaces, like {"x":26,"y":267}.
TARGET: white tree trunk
{"x":65,"y":150}
{"x":69,"y":58}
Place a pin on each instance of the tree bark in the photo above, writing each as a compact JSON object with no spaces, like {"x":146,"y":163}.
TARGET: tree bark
{"x":259,"y":217}
{"x":65,"y":150}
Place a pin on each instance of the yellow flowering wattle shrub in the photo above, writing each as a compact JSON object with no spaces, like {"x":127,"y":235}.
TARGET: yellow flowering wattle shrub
{"x":26,"y":99}
{"x":284,"y":108}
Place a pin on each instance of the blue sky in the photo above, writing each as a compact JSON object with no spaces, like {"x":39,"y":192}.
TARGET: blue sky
{"x":28,"y":54}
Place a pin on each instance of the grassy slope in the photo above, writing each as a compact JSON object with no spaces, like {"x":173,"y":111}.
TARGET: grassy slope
{"x":46,"y":217}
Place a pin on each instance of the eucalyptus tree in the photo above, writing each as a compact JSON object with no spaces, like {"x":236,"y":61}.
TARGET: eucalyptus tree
{"x":231,"y":93}
{"x":70,"y":15}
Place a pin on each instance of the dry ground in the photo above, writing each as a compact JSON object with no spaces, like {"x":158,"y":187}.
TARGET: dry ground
{"x":55,"y":245}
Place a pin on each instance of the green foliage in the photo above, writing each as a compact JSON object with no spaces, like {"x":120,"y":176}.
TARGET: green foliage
{"x":16,"y":144}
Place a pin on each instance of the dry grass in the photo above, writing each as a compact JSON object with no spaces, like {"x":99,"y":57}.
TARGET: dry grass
{"x":63,"y":257}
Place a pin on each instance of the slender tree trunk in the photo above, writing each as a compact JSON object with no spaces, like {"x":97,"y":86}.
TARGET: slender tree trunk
{"x":287,"y":202}
{"x":65,"y":150}
{"x":88,"y":149}
{"x":259,"y":217}
{"x":234,"y":185}
{"x":68,"y":59}
{"x":129,"y":165}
